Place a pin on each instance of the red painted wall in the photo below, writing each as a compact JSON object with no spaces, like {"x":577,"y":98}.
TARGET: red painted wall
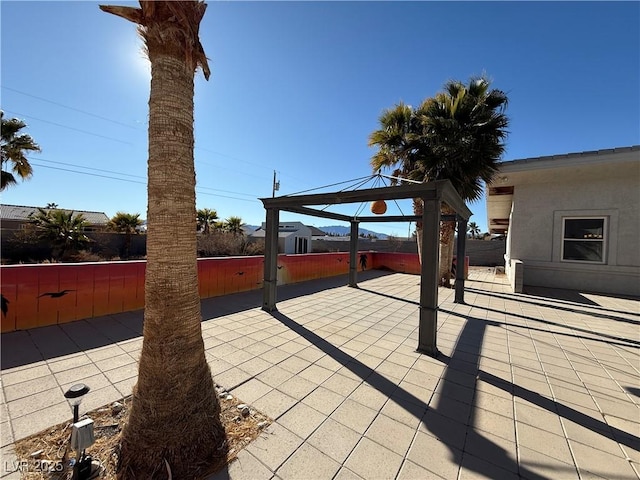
{"x":48,"y":294}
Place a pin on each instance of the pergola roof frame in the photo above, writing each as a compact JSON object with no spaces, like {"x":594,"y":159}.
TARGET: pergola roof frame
{"x":432,"y":194}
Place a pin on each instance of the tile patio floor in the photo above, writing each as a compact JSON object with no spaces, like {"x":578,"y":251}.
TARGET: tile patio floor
{"x":538,"y":385}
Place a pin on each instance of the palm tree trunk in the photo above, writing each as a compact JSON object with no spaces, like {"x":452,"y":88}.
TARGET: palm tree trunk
{"x":418,"y":207}
{"x":447,"y":231}
{"x":175,"y":410}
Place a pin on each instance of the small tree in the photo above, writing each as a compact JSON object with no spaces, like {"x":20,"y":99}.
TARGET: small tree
{"x":128,"y":224}
{"x":473,"y":230}
{"x":234,"y":225}
{"x":65,"y":230}
{"x":13,"y":146}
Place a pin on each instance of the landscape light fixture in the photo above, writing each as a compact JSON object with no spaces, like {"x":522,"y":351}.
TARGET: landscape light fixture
{"x":82,"y":433}
{"x":74,"y":396}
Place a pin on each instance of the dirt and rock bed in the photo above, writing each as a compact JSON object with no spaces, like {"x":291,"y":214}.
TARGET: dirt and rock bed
{"x":46,"y":455}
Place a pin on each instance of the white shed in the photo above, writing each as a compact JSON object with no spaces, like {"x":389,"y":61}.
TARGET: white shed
{"x":293,"y":237}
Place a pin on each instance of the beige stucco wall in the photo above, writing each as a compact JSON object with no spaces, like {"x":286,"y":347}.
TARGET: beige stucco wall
{"x":543,"y":197}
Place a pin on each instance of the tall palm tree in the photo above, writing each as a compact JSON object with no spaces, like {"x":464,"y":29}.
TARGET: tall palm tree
{"x":473,"y":229}
{"x":206,"y":217}
{"x":128,"y":224}
{"x":63,"y":229}
{"x":465,"y":127}
{"x":458,"y":135}
{"x":13,"y":146}
{"x":400,"y":146}
{"x":174,"y":423}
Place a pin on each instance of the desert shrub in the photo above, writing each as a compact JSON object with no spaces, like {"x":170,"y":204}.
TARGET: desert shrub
{"x":225,"y":244}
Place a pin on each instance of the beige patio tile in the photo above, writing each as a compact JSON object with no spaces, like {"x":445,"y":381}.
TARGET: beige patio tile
{"x":544,"y":442}
{"x":603,"y":464}
{"x":346,"y":474}
{"x":494,"y":423}
{"x":69,"y":362}
{"x":315,"y":373}
{"x":392,"y":434}
{"x":110,"y":363}
{"x":251,"y":391}
{"x":274,"y":376}
{"x":368,"y":396}
{"x":244,"y":467}
{"x":274,"y":446}
{"x":534,"y":465}
{"x":297,"y":387}
{"x":323,"y":400}
{"x":308,"y":461}
{"x":340,"y":384}
{"x":371,"y":460}
{"x":24,"y":389}
{"x":36,"y":421}
{"x":334,"y":439}
{"x":475,"y":468}
{"x":274,"y":403}
{"x":354,"y":415}
{"x":435,"y":456}
{"x":302,"y":420}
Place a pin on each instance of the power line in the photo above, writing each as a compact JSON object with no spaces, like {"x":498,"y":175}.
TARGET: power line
{"x":135,"y":176}
{"x":88,"y":168}
{"x":140,"y":183}
{"x":71,"y":108}
{"x":85,"y":112}
{"x":70,"y":128}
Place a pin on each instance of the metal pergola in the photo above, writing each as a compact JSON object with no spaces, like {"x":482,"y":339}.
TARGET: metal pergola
{"x":433,"y":194}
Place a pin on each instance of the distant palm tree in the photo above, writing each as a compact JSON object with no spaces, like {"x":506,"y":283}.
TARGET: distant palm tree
{"x":234,"y":225}
{"x":13,"y":146}
{"x":128,"y":224}
{"x":473,"y":229}
{"x":174,"y":428}
{"x":63,"y":229}
{"x":206,"y":218}
{"x":51,"y":205}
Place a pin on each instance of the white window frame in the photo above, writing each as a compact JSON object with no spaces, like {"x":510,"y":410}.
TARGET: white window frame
{"x":604,"y":240}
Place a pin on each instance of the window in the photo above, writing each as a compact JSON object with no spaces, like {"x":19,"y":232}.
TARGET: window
{"x":584,"y":239}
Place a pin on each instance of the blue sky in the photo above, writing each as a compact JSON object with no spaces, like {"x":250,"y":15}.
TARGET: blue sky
{"x":297,"y":87}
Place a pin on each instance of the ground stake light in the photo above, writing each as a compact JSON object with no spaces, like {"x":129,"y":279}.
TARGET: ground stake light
{"x":82,"y":433}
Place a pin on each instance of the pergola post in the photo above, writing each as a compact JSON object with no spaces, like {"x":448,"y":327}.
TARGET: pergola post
{"x":270,"y":260}
{"x":429,"y":278}
{"x":353,"y":255}
{"x":460,"y":260}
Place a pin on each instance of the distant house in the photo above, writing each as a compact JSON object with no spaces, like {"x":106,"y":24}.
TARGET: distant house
{"x":316,"y":233}
{"x":293,"y":237}
{"x":16,"y":217}
{"x":571,"y":221}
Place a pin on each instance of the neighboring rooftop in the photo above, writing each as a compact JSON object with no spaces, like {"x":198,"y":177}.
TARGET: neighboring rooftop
{"x":569,"y":159}
{"x":24,"y":213}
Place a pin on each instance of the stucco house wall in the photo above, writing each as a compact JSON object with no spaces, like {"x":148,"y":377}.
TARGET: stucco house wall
{"x":591,"y":184}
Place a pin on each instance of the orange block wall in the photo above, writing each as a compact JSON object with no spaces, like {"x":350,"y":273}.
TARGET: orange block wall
{"x":49,"y":294}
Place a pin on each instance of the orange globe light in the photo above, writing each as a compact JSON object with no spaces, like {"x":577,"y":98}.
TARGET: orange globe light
{"x":379,"y":207}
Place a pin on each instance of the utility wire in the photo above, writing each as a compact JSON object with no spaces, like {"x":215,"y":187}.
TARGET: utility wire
{"x":71,"y":108}
{"x":70,"y":128}
{"x":138,"y":182}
